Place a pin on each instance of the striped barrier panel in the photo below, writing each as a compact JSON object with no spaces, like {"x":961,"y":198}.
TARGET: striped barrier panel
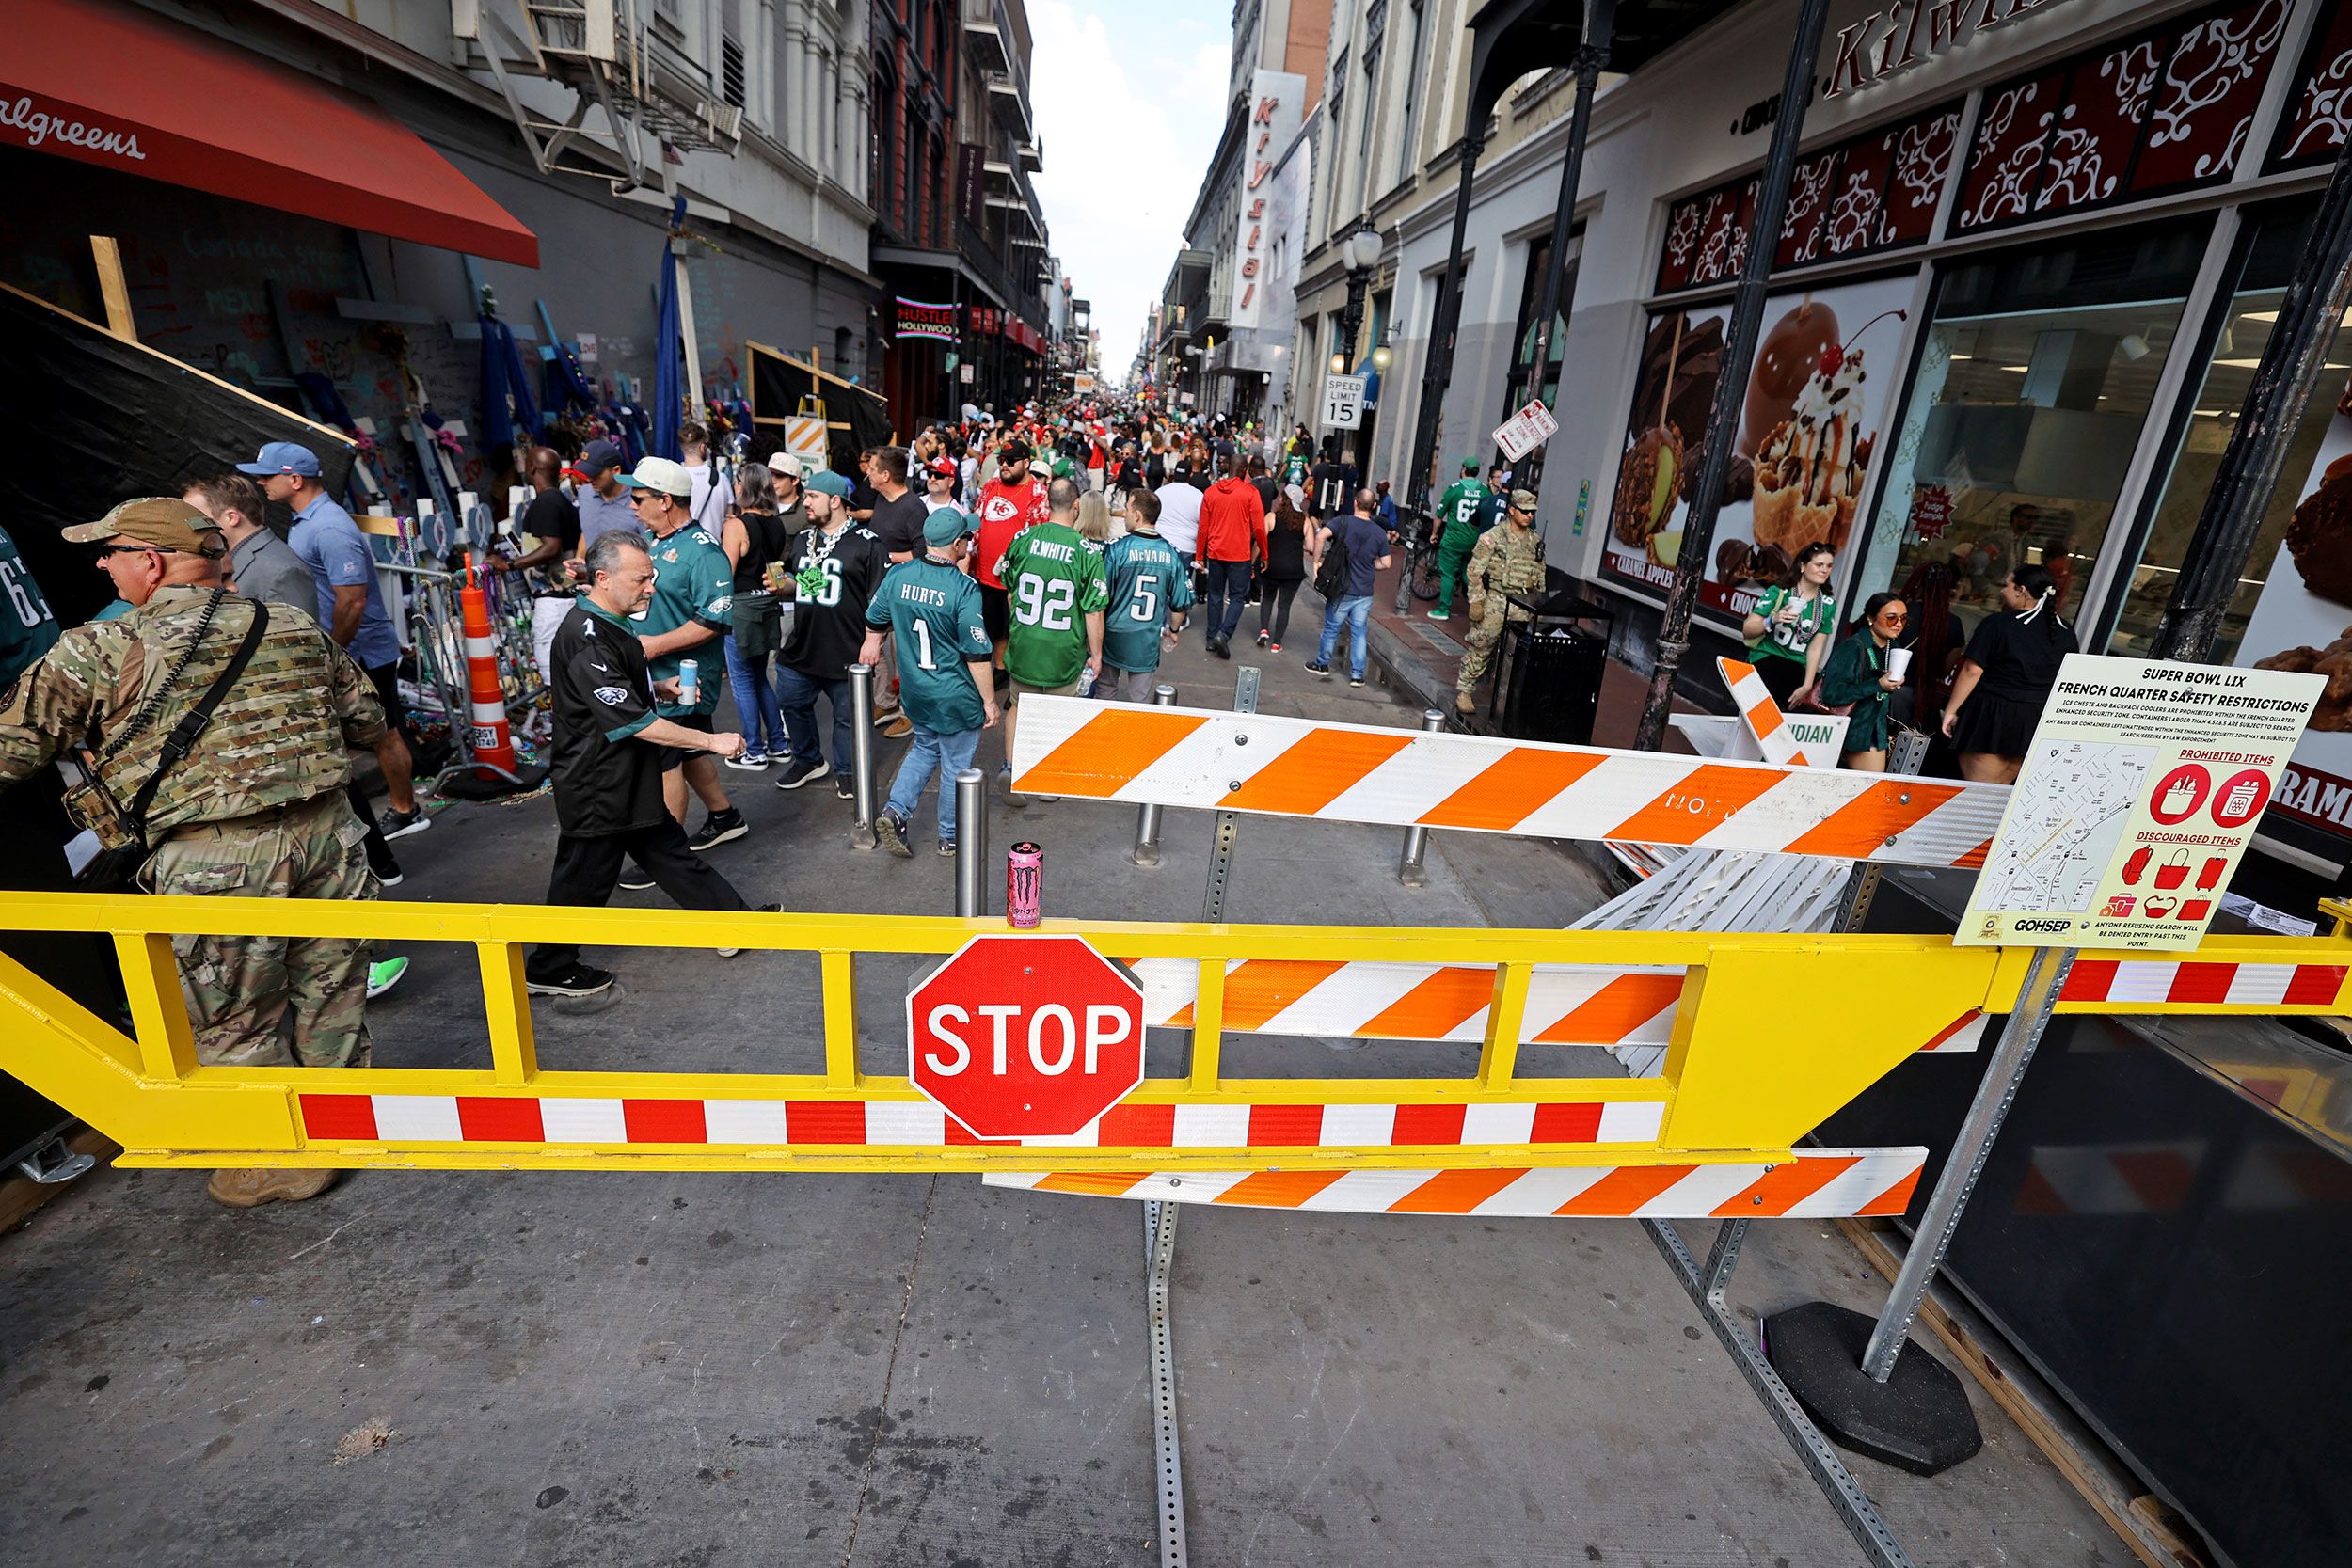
{"x":1759,"y":710}
{"x":1223,"y":761}
{"x":1814,"y":1185}
{"x":1567,"y":1005}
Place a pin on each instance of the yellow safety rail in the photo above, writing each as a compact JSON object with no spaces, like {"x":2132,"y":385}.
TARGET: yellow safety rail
{"x":1771,"y":1035}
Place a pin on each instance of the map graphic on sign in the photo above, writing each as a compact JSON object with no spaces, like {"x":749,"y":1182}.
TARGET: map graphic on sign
{"x":2056,"y":843}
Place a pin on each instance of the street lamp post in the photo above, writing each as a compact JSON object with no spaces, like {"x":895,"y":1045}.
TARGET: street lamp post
{"x":1359,"y":253}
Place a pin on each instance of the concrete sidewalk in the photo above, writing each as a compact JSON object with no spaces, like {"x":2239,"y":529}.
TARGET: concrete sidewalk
{"x":640,"y":1370}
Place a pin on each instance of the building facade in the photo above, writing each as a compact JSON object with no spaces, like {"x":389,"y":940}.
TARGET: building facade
{"x":959,"y":234}
{"x":763,"y":107}
{"x":2031,"y":257}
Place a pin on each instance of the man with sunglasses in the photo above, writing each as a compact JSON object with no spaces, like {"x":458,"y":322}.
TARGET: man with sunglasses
{"x":1505,"y":560}
{"x":254,"y":808}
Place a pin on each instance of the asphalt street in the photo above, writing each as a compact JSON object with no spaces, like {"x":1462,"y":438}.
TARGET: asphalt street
{"x":847,"y":1369}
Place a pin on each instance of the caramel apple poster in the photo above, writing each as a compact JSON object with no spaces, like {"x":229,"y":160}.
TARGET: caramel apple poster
{"x":1825,"y":369}
{"x":2303,"y":623}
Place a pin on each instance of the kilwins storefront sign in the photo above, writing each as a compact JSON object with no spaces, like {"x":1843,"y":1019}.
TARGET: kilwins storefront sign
{"x":1909,"y":33}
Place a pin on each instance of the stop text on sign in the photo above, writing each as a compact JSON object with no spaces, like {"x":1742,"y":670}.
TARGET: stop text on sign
{"x":1047,"y":1026}
{"x":1022,"y":1036}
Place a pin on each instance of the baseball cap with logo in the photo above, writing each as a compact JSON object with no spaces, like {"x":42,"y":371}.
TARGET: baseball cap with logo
{"x":946,"y":526}
{"x":826,"y":483}
{"x":282,"y":457}
{"x":785,"y":464}
{"x":1015,"y":451}
{"x":945,"y":466}
{"x":167,"y":525}
{"x":661,"y":476}
{"x":595,"y":458}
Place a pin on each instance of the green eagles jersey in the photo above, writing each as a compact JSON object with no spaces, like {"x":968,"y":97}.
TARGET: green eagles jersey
{"x":27,"y":629}
{"x":933,"y":613}
{"x":1458,"y":509}
{"x":1055,"y":582}
{"x":1147,"y":580}
{"x":691,"y":581}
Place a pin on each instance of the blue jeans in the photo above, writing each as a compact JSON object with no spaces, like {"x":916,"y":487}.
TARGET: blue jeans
{"x":1352,"y":612}
{"x":798,"y":694}
{"x":929,"y":753}
{"x":754,"y":703}
{"x":1229,"y":590}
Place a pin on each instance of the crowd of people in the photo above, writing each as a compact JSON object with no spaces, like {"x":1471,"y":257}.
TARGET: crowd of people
{"x":208,"y":720}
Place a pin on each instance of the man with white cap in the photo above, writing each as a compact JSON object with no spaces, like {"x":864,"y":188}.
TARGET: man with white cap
{"x":693,"y":605}
{"x":789,"y":477}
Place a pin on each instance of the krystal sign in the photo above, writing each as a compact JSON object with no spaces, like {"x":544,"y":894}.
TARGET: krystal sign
{"x":1275,"y":97}
{"x":1909,"y":33}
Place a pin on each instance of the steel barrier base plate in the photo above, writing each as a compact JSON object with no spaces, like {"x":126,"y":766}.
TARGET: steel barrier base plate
{"x":1917,"y":1420}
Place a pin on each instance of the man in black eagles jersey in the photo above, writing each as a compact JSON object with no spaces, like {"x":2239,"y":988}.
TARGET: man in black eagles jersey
{"x":831,"y":568}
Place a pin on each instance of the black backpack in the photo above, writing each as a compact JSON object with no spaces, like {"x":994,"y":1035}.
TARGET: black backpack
{"x":1331,"y":577}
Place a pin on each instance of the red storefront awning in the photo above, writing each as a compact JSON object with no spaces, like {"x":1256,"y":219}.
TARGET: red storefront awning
{"x":101,"y":82}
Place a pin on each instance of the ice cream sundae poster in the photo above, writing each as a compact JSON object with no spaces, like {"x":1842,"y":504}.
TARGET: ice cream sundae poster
{"x":2303,"y":623}
{"x":1815,"y":399}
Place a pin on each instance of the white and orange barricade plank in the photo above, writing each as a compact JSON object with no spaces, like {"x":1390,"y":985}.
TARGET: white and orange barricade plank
{"x":1566,"y":1003}
{"x":1224,"y":761}
{"x":1759,"y":710}
{"x":1812,"y":1185}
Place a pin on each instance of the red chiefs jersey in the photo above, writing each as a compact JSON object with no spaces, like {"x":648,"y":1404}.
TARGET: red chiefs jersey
{"x":1003,"y":511}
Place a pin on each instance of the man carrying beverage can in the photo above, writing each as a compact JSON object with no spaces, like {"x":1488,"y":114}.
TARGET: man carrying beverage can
{"x":693,"y":605}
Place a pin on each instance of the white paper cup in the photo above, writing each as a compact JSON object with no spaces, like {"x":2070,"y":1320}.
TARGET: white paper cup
{"x":1898,"y":662}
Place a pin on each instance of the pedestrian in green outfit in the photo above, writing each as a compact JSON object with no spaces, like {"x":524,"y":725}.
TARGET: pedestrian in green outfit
{"x":1858,"y":673}
{"x":1458,"y":510}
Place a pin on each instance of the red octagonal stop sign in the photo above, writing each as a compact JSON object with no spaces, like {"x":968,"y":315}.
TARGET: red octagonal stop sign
{"x":1025,"y":1037}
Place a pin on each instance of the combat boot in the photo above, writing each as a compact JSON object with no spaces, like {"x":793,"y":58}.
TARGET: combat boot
{"x":1463,"y":702}
{"x":250,"y":1188}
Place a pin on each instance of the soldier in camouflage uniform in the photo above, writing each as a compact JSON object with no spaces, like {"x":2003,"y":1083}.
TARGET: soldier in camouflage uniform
{"x":1506,"y":561}
{"x":257,"y":807}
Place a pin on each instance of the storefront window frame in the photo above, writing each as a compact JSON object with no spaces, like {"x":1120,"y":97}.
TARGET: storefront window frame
{"x":2113,"y":577}
{"x":2100,"y":582}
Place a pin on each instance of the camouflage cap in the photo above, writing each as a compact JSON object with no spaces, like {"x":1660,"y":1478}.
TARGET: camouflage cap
{"x":1523,"y":500}
{"x":157,"y":520}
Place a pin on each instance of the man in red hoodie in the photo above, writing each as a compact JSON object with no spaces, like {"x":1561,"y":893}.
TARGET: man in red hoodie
{"x":1232,"y":542}
{"x":1009,"y":503}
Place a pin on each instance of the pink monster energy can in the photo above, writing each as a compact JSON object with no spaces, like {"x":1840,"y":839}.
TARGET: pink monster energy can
{"x":1024,"y":886}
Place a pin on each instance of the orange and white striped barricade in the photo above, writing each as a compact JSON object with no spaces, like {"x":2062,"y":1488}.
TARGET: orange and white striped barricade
{"x":490,"y":743}
{"x":1217,"y":761}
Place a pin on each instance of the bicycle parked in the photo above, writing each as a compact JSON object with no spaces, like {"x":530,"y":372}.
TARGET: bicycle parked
{"x":1418,"y":543}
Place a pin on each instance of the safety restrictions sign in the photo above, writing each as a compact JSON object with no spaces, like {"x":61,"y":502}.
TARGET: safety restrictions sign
{"x":2139,"y":792}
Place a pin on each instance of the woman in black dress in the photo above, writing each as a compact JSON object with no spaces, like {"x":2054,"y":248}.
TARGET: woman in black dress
{"x":2005,"y":678}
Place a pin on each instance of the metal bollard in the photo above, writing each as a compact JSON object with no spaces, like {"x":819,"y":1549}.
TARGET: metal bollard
{"x":1147,"y":851}
{"x":1409,"y":868}
{"x":867,"y":792}
{"x":971,"y":841}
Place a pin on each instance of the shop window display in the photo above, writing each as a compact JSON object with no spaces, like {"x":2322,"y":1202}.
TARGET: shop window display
{"x":2036,"y":374}
{"x":2238,"y":342}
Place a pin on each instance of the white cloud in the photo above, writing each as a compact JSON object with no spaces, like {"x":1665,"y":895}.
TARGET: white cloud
{"x":1129,"y":98}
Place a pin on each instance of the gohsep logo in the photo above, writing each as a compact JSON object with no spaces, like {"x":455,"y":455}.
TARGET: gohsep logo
{"x":2043,"y":926}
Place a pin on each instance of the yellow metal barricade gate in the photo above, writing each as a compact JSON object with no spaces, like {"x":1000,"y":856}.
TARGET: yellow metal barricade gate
{"x":1767,"y":1035}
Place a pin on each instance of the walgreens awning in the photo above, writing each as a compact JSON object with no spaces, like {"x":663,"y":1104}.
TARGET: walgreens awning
{"x":106,"y":84}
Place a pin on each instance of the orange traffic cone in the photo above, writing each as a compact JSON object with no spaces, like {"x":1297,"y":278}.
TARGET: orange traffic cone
{"x":493,"y":747}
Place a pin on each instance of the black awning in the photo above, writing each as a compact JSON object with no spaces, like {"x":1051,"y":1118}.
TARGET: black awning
{"x":1513,"y":38}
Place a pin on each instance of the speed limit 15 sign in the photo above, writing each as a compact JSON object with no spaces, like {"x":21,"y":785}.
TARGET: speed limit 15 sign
{"x":1343,"y":402}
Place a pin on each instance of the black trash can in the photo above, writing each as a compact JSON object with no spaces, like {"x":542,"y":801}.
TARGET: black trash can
{"x":1549,"y":686}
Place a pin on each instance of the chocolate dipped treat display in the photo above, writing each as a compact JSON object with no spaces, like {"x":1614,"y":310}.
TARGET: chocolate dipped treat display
{"x":1809,"y":473}
{"x":2320,"y":537}
{"x":1785,"y":361}
{"x":2333,"y":661}
{"x":1681,"y":366}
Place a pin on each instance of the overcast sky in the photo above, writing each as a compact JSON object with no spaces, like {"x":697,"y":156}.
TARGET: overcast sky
{"x":1129,"y":96}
